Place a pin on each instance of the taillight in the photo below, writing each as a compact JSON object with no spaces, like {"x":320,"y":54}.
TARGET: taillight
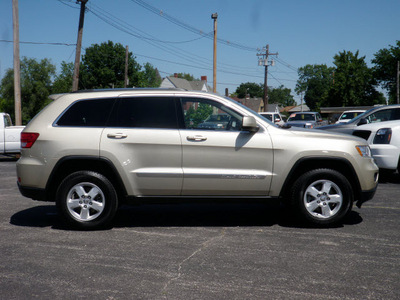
{"x":28,"y":139}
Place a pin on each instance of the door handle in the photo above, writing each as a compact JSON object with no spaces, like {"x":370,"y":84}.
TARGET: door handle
{"x":117,"y":135}
{"x":196,"y":138}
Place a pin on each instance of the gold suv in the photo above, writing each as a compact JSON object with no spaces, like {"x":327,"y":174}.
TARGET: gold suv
{"x":94,"y":150}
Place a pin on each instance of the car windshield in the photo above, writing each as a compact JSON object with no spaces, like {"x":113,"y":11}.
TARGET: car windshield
{"x":301,"y":117}
{"x":350,"y":115}
{"x":267,"y":116}
{"x":359,"y":117}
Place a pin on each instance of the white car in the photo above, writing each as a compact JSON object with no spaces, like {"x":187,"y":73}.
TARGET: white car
{"x":347,"y":115}
{"x":273,"y":117}
{"x":384,"y":141}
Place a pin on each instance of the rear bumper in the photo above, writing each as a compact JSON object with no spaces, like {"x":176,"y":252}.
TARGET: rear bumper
{"x":33,"y":193}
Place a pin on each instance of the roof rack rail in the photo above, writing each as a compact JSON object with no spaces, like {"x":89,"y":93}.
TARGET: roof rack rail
{"x":128,"y":89}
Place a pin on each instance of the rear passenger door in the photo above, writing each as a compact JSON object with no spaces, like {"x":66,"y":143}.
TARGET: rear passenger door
{"x":142,"y":139}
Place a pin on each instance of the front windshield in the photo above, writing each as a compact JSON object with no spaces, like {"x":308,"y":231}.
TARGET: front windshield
{"x":359,"y":117}
{"x":301,"y":117}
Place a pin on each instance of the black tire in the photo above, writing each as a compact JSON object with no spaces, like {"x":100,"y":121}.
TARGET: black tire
{"x":87,"y":200}
{"x":322,"y":196}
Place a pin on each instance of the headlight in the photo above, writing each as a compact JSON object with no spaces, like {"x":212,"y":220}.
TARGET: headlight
{"x":383,"y":136}
{"x":364,"y":151}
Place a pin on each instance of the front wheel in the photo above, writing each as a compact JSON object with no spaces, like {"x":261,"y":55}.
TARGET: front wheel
{"x":322,"y":196}
{"x":87,"y":200}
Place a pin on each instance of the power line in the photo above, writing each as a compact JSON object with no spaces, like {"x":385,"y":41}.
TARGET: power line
{"x":127,"y":28}
{"x":189,"y":27}
{"x":40,"y":43}
{"x":202,"y":62}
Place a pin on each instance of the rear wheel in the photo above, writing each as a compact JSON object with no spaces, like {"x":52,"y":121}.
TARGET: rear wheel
{"x":322,"y":196}
{"x":87,"y":200}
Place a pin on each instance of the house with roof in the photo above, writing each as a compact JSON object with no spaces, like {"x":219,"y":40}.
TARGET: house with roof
{"x":180,"y":83}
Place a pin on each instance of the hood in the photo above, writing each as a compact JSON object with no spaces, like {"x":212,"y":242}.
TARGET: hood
{"x":316,"y":133}
{"x":342,"y":128}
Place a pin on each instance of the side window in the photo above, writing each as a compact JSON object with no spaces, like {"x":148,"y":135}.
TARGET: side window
{"x":209,"y":115}
{"x":7,"y":121}
{"x":145,"y":112}
{"x":384,"y":115}
{"x":87,"y":113}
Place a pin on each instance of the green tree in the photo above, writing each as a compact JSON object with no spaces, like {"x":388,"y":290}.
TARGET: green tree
{"x":196,"y":116}
{"x":186,"y":76}
{"x":103,"y":66}
{"x":63,"y":81}
{"x":386,"y":67}
{"x":280,"y":95}
{"x":36,"y":86}
{"x":354,"y":84}
{"x":149,"y":77}
{"x":314,"y":82}
{"x":251,"y":88}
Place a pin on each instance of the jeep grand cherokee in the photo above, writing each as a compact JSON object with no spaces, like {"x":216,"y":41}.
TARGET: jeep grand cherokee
{"x":90,"y":151}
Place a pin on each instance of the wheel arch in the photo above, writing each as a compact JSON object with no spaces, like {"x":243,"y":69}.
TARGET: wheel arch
{"x":71,"y":164}
{"x":311,"y":163}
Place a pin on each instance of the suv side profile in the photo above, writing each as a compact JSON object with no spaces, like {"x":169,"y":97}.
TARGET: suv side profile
{"x":91,"y":151}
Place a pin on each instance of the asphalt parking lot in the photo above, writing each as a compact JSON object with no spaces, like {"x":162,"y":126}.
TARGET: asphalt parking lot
{"x":199,"y":251}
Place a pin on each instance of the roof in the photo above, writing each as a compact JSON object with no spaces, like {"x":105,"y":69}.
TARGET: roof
{"x":252,"y":103}
{"x":339,"y":110}
{"x":299,"y":108}
{"x":195,"y":85}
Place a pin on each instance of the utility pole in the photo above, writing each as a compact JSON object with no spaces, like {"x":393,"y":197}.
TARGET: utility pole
{"x":126,"y":67}
{"x":75,"y":79}
{"x":397,"y":81}
{"x":263,"y":61}
{"x":17,"y":65}
{"x":214,"y":17}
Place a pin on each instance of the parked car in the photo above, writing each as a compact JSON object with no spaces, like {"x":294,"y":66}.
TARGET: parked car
{"x":347,"y":115}
{"x":217,"y":121}
{"x":274,"y":117}
{"x":305,"y":120}
{"x":384,"y":141}
{"x":92,"y":151}
{"x":377,"y":114}
{"x":10,"y":142}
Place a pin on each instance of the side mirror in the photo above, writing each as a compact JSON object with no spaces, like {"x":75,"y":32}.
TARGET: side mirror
{"x":249,"y":124}
{"x":277,"y":120}
{"x":363,"y":121}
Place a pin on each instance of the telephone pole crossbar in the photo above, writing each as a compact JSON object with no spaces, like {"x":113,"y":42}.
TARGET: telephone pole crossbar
{"x":263,"y":61}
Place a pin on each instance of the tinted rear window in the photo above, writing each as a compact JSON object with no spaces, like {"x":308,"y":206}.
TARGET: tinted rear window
{"x":146,"y":112}
{"x":87,"y":113}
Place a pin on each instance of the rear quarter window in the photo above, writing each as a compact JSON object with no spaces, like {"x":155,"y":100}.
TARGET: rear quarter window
{"x":87,"y":113}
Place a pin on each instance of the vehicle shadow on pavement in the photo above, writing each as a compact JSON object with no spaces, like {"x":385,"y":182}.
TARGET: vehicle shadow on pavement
{"x":183,"y":215}
{"x":38,"y":216}
{"x":389,"y":177}
{"x":8,"y":158}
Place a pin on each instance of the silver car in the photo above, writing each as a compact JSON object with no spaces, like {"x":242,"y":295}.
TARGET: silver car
{"x":92,"y":151}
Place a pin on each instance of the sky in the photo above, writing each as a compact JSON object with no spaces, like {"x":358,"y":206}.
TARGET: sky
{"x":176,"y":36}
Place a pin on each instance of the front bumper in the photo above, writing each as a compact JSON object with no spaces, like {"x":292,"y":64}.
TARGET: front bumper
{"x":366,"y":196}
